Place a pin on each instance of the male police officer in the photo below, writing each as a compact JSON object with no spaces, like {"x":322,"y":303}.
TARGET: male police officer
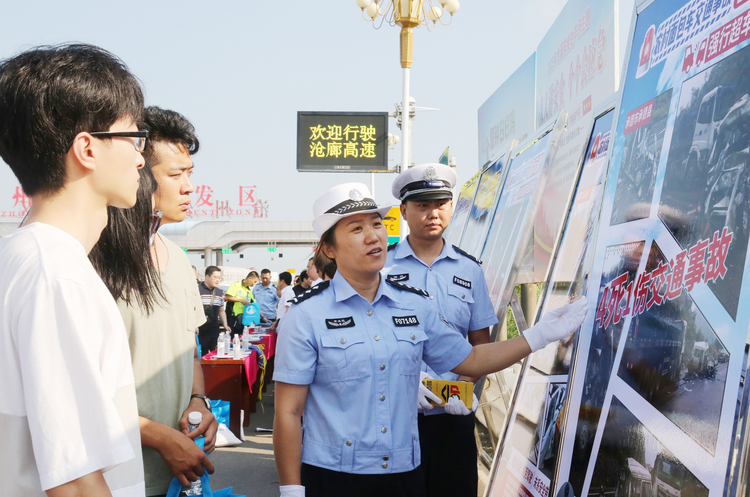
{"x":456,"y":278}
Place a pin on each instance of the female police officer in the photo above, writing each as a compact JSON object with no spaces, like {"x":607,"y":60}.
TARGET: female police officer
{"x":349,"y":356}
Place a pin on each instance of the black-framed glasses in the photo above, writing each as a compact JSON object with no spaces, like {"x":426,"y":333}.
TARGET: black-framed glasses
{"x":140,"y":137}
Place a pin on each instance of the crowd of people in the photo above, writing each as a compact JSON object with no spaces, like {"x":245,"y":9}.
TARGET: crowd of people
{"x":100,"y":313}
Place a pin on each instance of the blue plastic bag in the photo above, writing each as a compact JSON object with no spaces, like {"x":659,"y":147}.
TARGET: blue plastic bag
{"x":251,"y":314}
{"x":175,"y":487}
{"x":220,"y":410}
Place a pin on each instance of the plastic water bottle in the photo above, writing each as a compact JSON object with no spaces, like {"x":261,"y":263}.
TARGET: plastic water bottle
{"x":237,"y":352}
{"x":221,"y":346}
{"x":195,"y":488}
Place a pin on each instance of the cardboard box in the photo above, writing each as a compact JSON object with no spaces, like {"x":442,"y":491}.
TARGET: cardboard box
{"x":446,"y":389}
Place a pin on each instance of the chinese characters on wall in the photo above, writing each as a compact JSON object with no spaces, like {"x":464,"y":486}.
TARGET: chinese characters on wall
{"x":248,"y":204}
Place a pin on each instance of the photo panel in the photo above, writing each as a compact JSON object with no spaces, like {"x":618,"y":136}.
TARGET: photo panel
{"x":572,"y":262}
{"x":707,"y":183}
{"x":532,"y":439}
{"x":620,"y":264}
{"x":662,"y":344}
{"x":508,"y":237}
{"x":530,"y":452}
{"x":481,"y":210}
{"x":510,"y":231}
{"x":674,"y":360}
{"x":644,"y":139}
{"x":461,"y":211}
{"x":633,"y":462}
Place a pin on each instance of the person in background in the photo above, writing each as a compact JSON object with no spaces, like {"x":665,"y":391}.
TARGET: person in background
{"x":296,"y":280}
{"x":424,"y":259}
{"x":304,"y":283}
{"x":169,"y":378}
{"x":69,"y":129}
{"x":212,"y":298}
{"x":265,"y":294}
{"x":239,"y":294}
{"x":312,"y":271}
{"x":286,"y":294}
{"x":195,"y":273}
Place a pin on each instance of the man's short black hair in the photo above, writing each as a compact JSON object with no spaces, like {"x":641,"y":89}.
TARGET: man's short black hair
{"x":211,"y":270}
{"x":253,"y":273}
{"x":50,"y":94}
{"x":265,"y":271}
{"x":167,"y":126}
{"x":303,"y":275}
{"x":286,"y":277}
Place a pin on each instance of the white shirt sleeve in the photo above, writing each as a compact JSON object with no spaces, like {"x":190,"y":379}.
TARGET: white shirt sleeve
{"x":72,"y":368}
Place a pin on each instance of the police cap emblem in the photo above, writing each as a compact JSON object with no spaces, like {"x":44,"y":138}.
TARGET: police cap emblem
{"x":430,"y":174}
{"x":355,"y":195}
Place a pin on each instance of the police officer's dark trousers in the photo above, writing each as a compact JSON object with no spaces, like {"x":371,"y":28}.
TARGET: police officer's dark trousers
{"x":449,"y":455}
{"x":320,"y":482}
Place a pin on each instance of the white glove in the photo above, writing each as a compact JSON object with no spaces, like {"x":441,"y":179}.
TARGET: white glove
{"x":456,"y":406}
{"x":557,"y":324}
{"x":424,"y":394}
{"x":292,"y":491}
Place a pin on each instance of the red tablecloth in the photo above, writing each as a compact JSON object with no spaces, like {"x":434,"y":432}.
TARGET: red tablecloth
{"x":268,"y":344}
{"x":251,"y":365}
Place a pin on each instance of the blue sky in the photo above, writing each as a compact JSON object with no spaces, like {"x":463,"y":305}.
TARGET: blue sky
{"x":241,"y":70}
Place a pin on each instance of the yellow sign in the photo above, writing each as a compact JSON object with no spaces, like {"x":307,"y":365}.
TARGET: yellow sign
{"x":392,"y":221}
{"x":291,"y":271}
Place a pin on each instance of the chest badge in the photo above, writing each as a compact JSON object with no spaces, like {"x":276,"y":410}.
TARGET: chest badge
{"x":398,"y":277}
{"x":405,"y":321}
{"x":336,"y":323}
{"x":461,"y":282}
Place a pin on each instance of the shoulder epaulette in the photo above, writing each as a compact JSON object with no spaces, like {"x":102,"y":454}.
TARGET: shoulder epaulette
{"x":408,"y":288}
{"x":310,"y":292}
{"x":464,"y":253}
{"x":392,"y":246}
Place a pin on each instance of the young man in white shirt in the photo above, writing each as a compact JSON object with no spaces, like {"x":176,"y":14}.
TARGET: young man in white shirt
{"x":69,"y":129}
{"x":285,"y":292}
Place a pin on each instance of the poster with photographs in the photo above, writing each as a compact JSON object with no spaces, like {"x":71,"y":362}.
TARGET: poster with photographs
{"x":508,"y":237}
{"x":532,"y":439}
{"x":659,"y":364}
{"x":510,"y":228}
{"x":481,"y":210}
{"x":461,"y":210}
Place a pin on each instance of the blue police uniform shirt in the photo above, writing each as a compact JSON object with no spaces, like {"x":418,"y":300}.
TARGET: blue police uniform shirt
{"x":267,"y":299}
{"x":362,"y":362}
{"x":457,"y":281}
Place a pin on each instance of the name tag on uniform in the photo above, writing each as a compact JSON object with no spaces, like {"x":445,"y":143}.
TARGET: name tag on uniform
{"x":335,"y":324}
{"x":398,"y":277}
{"x":405,"y":320}
{"x":463,"y":283}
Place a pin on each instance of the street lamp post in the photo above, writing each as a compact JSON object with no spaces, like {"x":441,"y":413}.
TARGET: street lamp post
{"x":408,"y":14}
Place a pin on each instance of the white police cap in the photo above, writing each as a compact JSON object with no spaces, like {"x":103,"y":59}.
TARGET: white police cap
{"x":343,"y":201}
{"x":425,"y":182}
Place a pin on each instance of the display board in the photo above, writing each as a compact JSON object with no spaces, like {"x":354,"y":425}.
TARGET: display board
{"x":342,"y":141}
{"x":577,"y":71}
{"x":516,"y":208}
{"x":530,"y":445}
{"x":508,"y":114}
{"x":462,"y":210}
{"x":508,"y":236}
{"x":653,"y":401}
{"x":481,"y":211}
